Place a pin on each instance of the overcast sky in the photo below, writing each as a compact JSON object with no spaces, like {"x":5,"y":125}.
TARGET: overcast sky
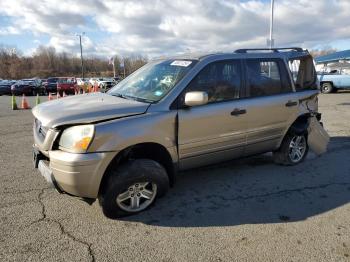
{"x":166,"y":27}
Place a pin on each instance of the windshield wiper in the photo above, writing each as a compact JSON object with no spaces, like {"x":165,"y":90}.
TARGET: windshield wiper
{"x":119,"y":95}
{"x":139,"y":99}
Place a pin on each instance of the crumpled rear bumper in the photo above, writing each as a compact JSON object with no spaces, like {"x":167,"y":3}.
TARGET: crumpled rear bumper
{"x":318,"y":137}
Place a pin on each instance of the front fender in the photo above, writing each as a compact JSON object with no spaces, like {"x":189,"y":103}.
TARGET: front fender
{"x":116,"y":135}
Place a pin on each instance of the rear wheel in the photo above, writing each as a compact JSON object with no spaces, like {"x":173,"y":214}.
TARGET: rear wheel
{"x":326,"y":88}
{"x":133,"y":187}
{"x":292,"y":151}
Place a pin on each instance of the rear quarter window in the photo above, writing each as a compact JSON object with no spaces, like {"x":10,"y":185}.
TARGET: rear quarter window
{"x":304,"y":74}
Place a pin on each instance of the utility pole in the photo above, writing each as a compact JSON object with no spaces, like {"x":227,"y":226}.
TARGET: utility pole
{"x":122,"y":64}
{"x":271,"y":40}
{"x":114,"y":66}
{"x":81,"y":53}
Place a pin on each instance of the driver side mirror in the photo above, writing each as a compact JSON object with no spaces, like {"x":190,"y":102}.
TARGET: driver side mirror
{"x":196,"y":98}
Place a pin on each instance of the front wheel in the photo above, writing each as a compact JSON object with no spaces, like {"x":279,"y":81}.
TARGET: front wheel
{"x":133,"y":187}
{"x":292,"y":151}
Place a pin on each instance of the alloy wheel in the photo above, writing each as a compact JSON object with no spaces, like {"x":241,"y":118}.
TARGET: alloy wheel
{"x":297,"y":148}
{"x":137,"y":197}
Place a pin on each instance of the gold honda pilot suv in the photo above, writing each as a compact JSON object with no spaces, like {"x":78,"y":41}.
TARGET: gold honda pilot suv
{"x":125,"y":147}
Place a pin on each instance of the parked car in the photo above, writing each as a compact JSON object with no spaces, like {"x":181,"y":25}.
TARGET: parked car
{"x":67,"y":85}
{"x":5,"y":87}
{"x":82,"y":81}
{"x":51,"y":85}
{"x":27,"y":87}
{"x":105,"y":84}
{"x":94,"y":80}
{"x":82,"y":85}
{"x":126,"y":146}
{"x":332,"y":81}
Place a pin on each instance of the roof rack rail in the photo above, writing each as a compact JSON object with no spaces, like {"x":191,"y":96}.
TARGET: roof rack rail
{"x":275,"y":50}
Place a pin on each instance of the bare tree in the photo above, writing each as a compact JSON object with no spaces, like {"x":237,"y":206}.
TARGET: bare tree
{"x":46,"y":62}
{"x":322,"y":52}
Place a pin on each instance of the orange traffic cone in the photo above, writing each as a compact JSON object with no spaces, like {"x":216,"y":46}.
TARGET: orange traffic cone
{"x":58,"y":95}
{"x":50,"y":97}
{"x":75,"y":92}
{"x":24,"y":103}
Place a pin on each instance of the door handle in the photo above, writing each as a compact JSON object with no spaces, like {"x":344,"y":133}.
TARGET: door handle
{"x":291,"y":103}
{"x":237,"y":112}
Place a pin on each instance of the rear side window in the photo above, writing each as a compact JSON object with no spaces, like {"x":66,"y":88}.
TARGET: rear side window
{"x":266,"y":77}
{"x":221,"y":80}
{"x":303,"y":72}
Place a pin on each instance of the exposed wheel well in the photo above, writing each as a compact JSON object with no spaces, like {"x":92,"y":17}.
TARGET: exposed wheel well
{"x":300,"y":125}
{"x":152,"y":151}
{"x":324,"y":82}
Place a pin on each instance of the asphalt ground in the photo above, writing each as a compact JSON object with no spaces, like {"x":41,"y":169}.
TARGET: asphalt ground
{"x":243,"y":210}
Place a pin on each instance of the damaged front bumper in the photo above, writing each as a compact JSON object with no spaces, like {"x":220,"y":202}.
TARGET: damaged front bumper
{"x":76,"y":174}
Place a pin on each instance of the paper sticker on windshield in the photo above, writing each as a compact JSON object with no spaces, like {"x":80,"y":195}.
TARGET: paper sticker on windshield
{"x":181,"y":63}
{"x":158,"y":93}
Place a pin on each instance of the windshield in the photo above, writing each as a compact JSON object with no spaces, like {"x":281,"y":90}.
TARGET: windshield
{"x":153,"y":81}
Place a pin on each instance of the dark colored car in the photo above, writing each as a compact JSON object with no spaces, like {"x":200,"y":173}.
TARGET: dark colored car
{"x":5,"y":87}
{"x":50,"y":85}
{"x":27,"y":87}
{"x":68,"y":85}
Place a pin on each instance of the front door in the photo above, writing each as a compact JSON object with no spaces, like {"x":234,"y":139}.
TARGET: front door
{"x":213,"y":132}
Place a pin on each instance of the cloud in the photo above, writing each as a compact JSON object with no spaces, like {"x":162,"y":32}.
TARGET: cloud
{"x":174,"y":26}
{"x":9,"y":30}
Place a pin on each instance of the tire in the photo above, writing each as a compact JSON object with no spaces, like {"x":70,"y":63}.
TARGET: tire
{"x":286,"y":155}
{"x":326,"y":88}
{"x":127,"y":182}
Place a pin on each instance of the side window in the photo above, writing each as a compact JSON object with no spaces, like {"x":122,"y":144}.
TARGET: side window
{"x":265,"y":77}
{"x":221,"y":80}
{"x":303,"y":72}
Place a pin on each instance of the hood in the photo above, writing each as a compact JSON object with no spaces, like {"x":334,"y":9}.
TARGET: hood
{"x":86,"y":108}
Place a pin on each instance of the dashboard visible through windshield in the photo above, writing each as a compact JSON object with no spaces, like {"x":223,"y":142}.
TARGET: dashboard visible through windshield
{"x":153,"y":81}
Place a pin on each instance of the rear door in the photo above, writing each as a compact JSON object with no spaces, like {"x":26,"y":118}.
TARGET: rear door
{"x":272,"y":104}
{"x":213,"y":132}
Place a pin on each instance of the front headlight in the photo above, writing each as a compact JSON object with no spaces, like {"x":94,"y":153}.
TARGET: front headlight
{"x":77,"y":138}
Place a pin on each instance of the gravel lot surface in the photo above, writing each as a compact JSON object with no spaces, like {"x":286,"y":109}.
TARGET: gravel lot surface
{"x":244,"y":210}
